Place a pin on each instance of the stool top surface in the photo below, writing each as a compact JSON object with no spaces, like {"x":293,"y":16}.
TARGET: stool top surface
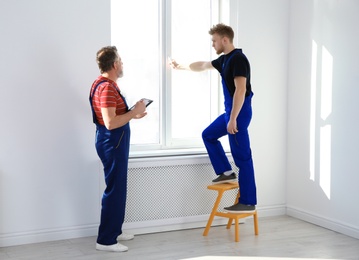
{"x":223,"y":186}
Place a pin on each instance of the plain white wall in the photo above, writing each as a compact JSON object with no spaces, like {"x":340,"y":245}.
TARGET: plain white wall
{"x":332,"y":25}
{"x":48,"y":165}
{"x":49,"y":170}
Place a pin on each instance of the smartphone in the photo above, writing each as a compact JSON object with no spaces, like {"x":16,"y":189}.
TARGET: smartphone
{"x":147,"y":102}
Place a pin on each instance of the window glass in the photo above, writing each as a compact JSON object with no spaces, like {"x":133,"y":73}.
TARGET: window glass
{"x":135,"y":32}
{"x":191,"y":103}
{"x":146,"y":32}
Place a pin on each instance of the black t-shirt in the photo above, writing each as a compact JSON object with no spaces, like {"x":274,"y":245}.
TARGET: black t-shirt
{"x":238,"y":65}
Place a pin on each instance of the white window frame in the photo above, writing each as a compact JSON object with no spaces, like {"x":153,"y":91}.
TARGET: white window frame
{"x":168,"y":145}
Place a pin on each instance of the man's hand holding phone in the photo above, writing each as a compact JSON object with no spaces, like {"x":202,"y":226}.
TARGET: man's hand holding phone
{"x":140,"y":107}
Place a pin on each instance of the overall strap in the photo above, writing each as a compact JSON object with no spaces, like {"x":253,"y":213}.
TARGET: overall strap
{"x":90,"y":99}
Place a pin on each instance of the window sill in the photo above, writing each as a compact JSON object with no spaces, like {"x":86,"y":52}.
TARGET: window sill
{"x":169,"y":153}
{"x":166,"y":153}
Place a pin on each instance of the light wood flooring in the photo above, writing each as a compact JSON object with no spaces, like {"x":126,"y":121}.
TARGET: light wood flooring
{"x":279,"y":237}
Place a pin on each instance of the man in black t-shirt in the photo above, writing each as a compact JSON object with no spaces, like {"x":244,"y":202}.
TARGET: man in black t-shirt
{"x":235,"y":72}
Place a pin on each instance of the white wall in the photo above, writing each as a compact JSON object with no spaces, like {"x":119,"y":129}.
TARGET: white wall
{"x":322,"y":185}
{"x":49,"y":181}
{"x":50,"y":178}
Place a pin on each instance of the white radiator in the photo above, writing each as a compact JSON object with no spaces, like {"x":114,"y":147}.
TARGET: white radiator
{"x":168,"y":193}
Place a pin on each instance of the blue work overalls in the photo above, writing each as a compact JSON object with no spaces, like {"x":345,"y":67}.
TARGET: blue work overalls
{"x":239,"y":144}
{"x":113,"y":149}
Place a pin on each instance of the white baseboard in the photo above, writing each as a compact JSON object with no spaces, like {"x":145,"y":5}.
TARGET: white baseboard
{"x":325,"y":222}
{"x":173,"y":224}
{"x":46,"y":235}
{"x":143,"y":227}
{"x":164,"y":225}
{"x":270,"y":211}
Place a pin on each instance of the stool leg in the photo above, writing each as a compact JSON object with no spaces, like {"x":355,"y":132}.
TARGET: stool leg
{"x":213,"y":213}
{"x":237,"y":197}
{"x":230,"y":220}
{"x":236,"y":229}
{"x":255,"y":220}
{"x":229,"y":224}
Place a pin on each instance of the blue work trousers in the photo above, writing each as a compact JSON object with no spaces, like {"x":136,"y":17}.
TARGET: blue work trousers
{"x":113,"y":149}
{"x":240,"y":149}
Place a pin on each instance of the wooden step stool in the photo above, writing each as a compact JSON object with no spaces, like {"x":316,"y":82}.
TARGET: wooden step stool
{"x":221,"y":188}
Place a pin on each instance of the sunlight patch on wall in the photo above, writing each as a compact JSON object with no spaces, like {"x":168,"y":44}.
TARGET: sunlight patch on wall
{"x":325,"y":159}
{"x":325,"y":112}
{"x":313,"y":97}
{"x":324,"y":83}
{"x":327,"y":84}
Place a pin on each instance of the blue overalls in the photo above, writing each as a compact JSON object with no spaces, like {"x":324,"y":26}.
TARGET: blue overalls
{"x":113,"y":149}
{"x":239,"y":144}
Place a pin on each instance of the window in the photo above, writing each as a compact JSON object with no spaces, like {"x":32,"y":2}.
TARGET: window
{"x":146,"y":33}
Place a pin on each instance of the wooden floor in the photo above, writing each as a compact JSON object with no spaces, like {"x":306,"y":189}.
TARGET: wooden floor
{"x":279,"y":237}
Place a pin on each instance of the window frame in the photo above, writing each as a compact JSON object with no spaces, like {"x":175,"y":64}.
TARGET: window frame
{"x":167,"y":144}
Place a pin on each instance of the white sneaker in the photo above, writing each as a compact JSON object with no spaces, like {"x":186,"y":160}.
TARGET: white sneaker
{"x":125,"y":237}
{"x":112,"y":248}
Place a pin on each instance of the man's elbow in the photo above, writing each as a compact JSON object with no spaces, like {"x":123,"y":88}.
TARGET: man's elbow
{"x":109,"y":126}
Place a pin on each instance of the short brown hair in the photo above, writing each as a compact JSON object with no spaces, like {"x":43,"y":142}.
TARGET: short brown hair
{"x":106,"y":57}
{"x":223,"y":31}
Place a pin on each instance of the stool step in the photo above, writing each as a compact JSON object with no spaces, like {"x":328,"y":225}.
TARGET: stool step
{"x":221,"y":188}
